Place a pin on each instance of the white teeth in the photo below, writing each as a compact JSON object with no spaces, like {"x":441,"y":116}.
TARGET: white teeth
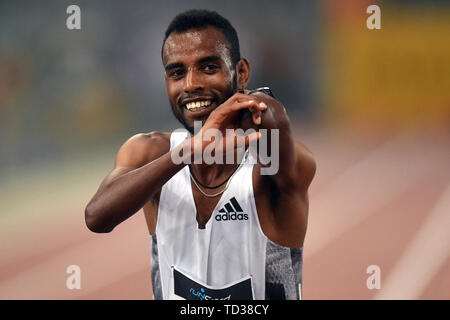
{"x":197,"y":104}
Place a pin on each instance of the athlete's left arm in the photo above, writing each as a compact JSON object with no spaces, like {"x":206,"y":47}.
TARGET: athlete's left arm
{"x":296,"y":165}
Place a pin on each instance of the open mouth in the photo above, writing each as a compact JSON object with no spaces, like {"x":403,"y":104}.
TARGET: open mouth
{"x":198,"y":105}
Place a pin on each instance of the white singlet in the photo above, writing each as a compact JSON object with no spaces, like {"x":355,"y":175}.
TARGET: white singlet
{"x":231,"y":258}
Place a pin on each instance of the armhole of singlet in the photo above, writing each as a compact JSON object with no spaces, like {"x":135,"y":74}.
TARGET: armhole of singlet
{"x":173,"y":143}
{"x":162,"y":190}
{"x":253,"y":202}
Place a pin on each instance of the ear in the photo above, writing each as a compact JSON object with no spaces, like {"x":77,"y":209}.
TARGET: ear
{"x":243,"y":73}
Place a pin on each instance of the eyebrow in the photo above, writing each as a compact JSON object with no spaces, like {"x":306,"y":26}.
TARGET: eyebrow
{"x":211,"y":58}
{"x":173,"y":66}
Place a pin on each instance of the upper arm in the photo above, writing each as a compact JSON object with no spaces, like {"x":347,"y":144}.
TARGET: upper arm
{"x":292,"y":164}
{"x":296,"y":179}
{"x":283,"y":207}
{"x":305,"y":167}
{"x":137,"y":152}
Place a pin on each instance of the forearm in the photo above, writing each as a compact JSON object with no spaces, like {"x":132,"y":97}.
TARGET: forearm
{"x":295,"y":163}
{"x":276,"y":144}
{"x":123,"y":196}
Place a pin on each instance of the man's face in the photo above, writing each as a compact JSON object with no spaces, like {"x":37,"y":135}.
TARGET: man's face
{"x":199,"y":73}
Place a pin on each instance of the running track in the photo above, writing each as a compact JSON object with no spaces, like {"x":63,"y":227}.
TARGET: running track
{"x":375,"y":200}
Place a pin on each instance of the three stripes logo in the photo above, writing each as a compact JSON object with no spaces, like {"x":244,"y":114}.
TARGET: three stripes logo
{"x":231,"y":211}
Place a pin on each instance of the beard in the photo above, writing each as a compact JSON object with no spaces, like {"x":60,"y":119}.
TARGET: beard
{"x":179,"y":114}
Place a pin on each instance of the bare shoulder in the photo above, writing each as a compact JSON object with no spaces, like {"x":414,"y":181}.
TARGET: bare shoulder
{"x":269,"y":100}
{"x":305,"y":165}
{"x":143,"y":148}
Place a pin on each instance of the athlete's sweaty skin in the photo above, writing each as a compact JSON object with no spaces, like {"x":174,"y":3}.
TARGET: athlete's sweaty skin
{"x":201,"y":70}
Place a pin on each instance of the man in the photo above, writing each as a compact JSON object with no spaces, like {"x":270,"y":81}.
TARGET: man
{"x":233,"y":233}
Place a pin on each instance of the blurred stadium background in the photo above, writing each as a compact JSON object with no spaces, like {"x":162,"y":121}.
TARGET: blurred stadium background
{"x":372,"y":105}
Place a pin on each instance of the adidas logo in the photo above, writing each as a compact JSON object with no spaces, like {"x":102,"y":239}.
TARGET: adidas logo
{"x":231,"y":211}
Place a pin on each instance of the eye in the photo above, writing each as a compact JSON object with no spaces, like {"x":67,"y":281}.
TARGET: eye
{"x":176,"y":73}
{"x":210,"y":68}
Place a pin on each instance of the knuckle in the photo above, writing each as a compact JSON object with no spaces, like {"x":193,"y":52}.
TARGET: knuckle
{"x":213,"y":113}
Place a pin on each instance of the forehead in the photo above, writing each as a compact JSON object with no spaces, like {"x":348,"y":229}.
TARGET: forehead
{"x":195,"y":43}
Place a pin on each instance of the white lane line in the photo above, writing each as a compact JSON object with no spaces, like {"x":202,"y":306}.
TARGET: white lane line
{"x":423,"y":257}
{"x":387,"y":172}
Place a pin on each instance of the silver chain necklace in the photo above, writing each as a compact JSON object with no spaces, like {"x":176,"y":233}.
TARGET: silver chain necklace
{"x":226,"y":186}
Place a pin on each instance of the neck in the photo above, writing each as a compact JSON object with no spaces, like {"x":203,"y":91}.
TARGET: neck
{"x":215,"y":174}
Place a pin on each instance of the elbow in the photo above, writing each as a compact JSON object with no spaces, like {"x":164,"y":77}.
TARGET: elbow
{"x":93,"y":222}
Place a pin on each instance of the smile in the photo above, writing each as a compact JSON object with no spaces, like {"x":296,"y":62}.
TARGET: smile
{"x":197,"y":105}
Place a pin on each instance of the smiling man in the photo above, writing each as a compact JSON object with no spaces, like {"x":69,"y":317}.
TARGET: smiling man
{"x":218,"y":230}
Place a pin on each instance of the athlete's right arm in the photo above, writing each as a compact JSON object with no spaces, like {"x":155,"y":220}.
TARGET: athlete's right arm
{"x":143,"y":165}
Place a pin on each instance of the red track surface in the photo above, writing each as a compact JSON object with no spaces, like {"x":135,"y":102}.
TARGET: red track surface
{"x":374,"y":201}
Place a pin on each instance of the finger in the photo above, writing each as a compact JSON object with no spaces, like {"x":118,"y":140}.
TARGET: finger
{"x":235,"y":103}
{"x":257,"y":119}
{"x":259,"y":107}
{"x":225,"y":110}
{"x":248,"y":104}
{"x":240,"y":97}
{"x":262,"y":106}
{"x":256,"y":115}
{"x":252,"y":137}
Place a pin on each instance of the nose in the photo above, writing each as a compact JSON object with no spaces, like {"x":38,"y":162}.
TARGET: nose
{"x":193,"y":81}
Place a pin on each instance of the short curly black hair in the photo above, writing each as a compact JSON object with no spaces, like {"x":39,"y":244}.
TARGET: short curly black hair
{"x":198,"y":19}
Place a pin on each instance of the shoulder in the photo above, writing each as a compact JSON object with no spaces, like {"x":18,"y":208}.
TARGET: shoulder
{"x":276,"y":108}
{"x":150,"y":139}
{"x":143,"y":148}
{"x":263,"y":94}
